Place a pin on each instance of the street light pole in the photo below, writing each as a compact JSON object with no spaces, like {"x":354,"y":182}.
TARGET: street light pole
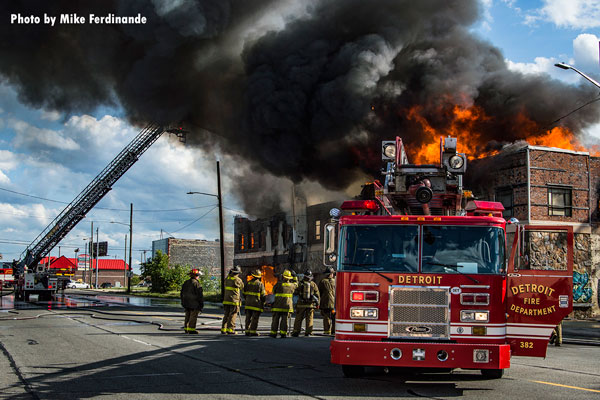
{"x":130,"y":244}
{"x":567,"y":66}
{"x":221,"y":233}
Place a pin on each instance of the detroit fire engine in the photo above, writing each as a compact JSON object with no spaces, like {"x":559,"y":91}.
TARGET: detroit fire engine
{"x":429,"y":280}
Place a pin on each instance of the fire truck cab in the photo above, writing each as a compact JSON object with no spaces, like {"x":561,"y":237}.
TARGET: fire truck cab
{"x":429,"y":280}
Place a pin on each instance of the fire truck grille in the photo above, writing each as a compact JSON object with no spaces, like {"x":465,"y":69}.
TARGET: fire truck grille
{"x":419,"y":313}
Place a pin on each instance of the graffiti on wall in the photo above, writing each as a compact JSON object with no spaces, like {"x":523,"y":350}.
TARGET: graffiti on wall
{"x":582,"y":287}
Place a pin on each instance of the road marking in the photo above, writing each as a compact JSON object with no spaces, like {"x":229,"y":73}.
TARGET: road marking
{"x":567,"y":386}
{"x":136,"y":340}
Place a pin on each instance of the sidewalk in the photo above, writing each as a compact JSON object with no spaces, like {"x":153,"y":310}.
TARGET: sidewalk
{"x":582,"y":331}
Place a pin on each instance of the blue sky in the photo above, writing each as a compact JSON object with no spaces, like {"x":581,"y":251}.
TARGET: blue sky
{"x":53,"y":156}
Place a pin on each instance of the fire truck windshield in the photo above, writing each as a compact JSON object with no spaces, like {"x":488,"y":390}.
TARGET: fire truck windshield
{"x":463,"y":249}
{"x":381,"y":247}
{"x":445,"y":249}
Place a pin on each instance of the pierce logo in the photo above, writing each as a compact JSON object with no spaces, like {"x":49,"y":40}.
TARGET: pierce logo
{"x":418,"y":329}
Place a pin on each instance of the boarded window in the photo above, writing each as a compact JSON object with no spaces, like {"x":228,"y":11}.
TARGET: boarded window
{"x":559,"y":201}
{"x":318,"y":230}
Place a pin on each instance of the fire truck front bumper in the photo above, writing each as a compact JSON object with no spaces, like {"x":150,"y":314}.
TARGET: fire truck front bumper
{"x":420,"y":354}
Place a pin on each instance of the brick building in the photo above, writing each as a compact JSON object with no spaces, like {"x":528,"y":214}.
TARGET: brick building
{"x":542,"y":185}
{"x":195,"y":253}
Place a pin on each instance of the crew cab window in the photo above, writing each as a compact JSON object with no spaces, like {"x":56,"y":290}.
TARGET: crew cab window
{"x":462,"y":250}
{"x":391,"y":248}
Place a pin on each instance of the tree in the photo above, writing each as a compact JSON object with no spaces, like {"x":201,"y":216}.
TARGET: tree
{"x":164,"y":278}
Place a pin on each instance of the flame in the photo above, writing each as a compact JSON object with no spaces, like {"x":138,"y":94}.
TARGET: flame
{"x":268,"y":278}
{"x":464,"y":124}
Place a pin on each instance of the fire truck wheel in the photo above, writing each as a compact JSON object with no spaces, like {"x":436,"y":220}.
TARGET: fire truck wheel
{"x":492,"y":373}
{"x":353,"y":371}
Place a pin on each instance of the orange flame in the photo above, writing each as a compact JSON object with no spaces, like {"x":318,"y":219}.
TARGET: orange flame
{"x":464,"y":126}
{"x":268,"y":278}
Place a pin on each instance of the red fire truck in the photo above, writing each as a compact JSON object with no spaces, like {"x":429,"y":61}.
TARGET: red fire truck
{"x":428,"y":279}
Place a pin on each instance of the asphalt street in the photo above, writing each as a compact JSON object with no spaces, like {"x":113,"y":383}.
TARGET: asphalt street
{"x":112,"y":349}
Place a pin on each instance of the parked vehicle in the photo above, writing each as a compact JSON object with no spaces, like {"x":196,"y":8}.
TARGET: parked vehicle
{"x":77,"y":285}
{"x":105,"y":285}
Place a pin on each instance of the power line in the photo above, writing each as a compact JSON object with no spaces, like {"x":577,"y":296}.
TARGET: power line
{"x":105,"y":208}
{"x":197,"y":219}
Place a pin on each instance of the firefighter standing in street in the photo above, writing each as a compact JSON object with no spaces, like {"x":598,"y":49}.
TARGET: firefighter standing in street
{"x":232,"y":300}
{"x":327,"y":305}
{"x":192,"y":299}
{"x":254,"y":293}
{"x":308,"y":300}
{"x":283,"y":304}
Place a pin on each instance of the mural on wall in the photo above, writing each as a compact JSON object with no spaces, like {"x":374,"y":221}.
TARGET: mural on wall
{"x":582,"y":282}
{"x":582,"y":287}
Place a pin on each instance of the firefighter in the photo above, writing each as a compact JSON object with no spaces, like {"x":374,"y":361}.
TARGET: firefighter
{"x":232,"y":300}
{"x":327,"y":304}
{"x":283,"y":304}
{"x":308,"y":300}
{"x":192,"y":299}
{"x":254,"y":293}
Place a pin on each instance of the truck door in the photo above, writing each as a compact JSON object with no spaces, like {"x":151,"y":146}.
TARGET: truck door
{"x":539,"y":289}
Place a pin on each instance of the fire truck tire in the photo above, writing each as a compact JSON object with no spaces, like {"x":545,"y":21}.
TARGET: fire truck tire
{"x":492,"y":373}
{"x":353,"y":371}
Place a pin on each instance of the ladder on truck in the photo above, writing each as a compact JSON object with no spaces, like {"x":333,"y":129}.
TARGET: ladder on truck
{"x":90,"y":196}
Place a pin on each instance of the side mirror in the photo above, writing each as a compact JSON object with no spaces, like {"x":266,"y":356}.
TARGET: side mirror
{"x":330,"y":244}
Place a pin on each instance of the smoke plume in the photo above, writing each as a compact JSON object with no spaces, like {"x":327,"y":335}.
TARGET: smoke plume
{"x":308,"y":99}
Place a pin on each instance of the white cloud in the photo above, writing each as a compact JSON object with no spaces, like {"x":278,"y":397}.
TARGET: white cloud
{"x":50,"y":115}
{"x":574,"y":14}
{"x":585,"y":51}
{"x":31,"y":137}
{"x":3,"y":178}
{"x":544,"y":65}
{"x":8,"y":160}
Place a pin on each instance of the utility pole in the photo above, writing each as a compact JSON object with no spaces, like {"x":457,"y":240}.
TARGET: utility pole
{"x":221,"y":237}
{"x":125,"y":262}
{"x":91,"y":252}
{"x":221,"y":234}
{"x":97,"y":254}
{"x":130,"y":244}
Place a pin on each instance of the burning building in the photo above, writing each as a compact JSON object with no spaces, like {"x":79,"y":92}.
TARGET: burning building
{"x":282,"y":241}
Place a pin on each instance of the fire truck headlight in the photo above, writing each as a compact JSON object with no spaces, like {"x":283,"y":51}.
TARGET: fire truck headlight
{"x":456,"y":162}
{"x":389,"y":151}
{"x":364,"y":312}
{"x":474,"y":316}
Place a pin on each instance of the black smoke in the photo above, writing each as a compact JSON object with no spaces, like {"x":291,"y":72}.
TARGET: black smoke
{"x":309,"y":101}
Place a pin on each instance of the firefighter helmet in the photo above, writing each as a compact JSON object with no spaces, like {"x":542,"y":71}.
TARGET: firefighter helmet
{"x":287,"y":274}
{"x":256,"y":274}
{"x":194,"y":272}
{"x":236,"y":270}
{"x":308,"y":274}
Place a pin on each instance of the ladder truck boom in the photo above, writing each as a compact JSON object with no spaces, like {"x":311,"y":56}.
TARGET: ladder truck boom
{"x":88,"y":198}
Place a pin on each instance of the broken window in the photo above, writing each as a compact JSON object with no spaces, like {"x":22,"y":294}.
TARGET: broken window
{"x":241,"y":242}
{"x":559,"y":201}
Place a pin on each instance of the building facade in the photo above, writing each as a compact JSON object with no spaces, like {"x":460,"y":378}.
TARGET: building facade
{"x":195,"y":253}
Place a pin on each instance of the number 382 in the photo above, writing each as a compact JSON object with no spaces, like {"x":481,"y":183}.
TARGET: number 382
{"x":526,"y":345}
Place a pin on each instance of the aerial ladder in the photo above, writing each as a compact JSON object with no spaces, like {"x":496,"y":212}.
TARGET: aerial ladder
{"x":32,"y":279}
